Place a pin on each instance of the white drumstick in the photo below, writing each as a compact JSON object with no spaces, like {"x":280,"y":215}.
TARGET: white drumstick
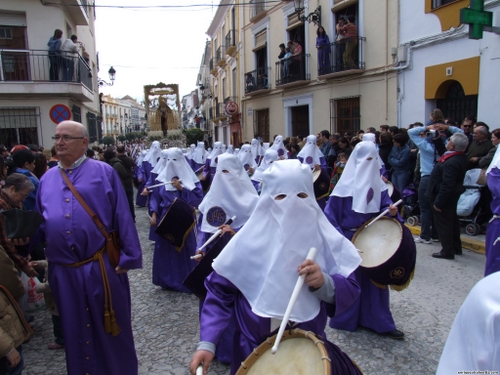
{"x":197,"y":256}
{"x":199,"y":370}
{"x":162,"y":184}
{"x":216,"y":234}
{"x":293,"y":299}
{"x":383,"y":213}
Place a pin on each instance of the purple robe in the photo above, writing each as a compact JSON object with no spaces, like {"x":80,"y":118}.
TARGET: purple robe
{"x":71,"y":237}
{"x":224,"y":348}
{"x":225,"y":300}
{"x":171,"y":267}
{"x":152,"y":181}
{"x":493,"y":230}
{"x":323,"y":45}
{"x":143,"y":175}
{"x":372,"y":308}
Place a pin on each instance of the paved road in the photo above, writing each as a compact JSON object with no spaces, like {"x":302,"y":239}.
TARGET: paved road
{"x":166,"y":323}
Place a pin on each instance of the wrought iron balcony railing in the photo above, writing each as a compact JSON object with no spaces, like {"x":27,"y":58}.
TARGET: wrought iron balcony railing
{"x":346,"y":54}
{"x":41,"y":66}
{"x":257,"y":80}
{"x":293,"y":69}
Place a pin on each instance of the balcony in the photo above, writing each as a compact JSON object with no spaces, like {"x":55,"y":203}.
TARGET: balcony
{"x":78,"y":9}
{"x":220,"y":56}
{"x":257,"y":10}
{"x":342,"y":58}
{"x":44,"y":75}
{"x":257,"y":81}
{"x":231,"y":42}
{"x":293,"y":71}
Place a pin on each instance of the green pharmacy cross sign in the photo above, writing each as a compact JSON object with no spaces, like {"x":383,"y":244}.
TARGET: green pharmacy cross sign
{"x":477,"y":18}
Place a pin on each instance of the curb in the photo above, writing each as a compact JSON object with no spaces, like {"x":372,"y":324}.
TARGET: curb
{"x":467,"y":242}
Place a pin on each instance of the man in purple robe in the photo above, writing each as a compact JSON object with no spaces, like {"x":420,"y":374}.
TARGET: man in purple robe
{"x":255,"y":284}
{"x":83,"y":281}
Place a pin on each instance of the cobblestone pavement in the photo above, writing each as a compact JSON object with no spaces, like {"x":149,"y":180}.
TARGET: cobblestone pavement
{"x":166,"y":323}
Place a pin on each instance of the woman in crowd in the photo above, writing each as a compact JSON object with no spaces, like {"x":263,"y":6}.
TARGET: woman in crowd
{"x":345,"y":146}
{"x":399,"y":159}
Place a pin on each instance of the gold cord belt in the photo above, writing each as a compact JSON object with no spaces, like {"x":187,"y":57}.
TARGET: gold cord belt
{"x":110,"y":325}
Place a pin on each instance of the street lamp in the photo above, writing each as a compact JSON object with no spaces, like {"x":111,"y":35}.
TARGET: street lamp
{"x":112,"y":73}
{"x":314,"y":17}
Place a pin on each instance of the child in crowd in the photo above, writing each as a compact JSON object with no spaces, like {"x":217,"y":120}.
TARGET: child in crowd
{"x":338,"y":169}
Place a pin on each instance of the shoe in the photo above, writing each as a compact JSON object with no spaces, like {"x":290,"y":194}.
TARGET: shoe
{"x":435,"y":239}
{"x":421,"y":240}
{"x":440,"y":255}
{"x":29,"y":318}
{"x":458,"y":252}
{"x":395,"y":334}
{"x":55,"y":346}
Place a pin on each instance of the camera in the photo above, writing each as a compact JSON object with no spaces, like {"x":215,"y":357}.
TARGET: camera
{"x":431,"y":132}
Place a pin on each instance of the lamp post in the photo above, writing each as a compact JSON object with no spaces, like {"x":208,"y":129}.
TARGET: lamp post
{"x":314,"y":17}
{"x":112,"y":74}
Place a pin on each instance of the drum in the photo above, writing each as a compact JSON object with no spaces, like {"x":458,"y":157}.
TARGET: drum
{"x":177,"y":223}
{"x":299,"y":352}
{"x":321,"y":183}
{"x":388,"y":252}
{"x":394,"y":193}
{"x":195,"y":281}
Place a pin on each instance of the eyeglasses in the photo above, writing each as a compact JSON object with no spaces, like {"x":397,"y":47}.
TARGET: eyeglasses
{"x":466,"y":126}
{"x":65,"y":138}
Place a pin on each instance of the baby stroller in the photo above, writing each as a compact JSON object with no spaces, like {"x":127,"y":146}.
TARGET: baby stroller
{"x":411,"y":210}
{"x":472,"y":207}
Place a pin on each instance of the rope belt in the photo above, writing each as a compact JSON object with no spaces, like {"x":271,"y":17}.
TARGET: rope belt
{"x":110,"y":325}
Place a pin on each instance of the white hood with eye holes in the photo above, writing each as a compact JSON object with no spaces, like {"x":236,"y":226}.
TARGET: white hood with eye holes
{"x":231,"y":194}
{"x":177,"y":167}
{"x":262,"y":259}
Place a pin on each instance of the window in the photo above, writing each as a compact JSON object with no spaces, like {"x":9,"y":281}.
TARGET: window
{"x":5,"y":33}
{"x":19,"y":125}
{"x":261,"y":124}
{"x":345,"y":115}
{"x":77,"y":114}
{"x":439,"y":3}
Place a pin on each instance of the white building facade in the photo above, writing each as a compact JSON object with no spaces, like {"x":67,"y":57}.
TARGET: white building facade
{"x":35,"y":92}
{"x":440,"y":67}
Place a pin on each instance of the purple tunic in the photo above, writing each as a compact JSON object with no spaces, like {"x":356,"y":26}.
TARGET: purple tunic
{"x":493,"y":230}
{"x":71,"y":237}
{"x":152,"y":181}
{"x":225,"y":300}
{"x":372,"y":308}
{"x":170,"y":267}
{"x":224,"y":348}
{"x":143,"y":175}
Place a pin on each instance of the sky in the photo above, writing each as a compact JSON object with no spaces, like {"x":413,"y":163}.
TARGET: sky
{"x":161,"y":43}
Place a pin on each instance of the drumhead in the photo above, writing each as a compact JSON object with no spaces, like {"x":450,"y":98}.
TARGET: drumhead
{"x":378,"y":242}
{"x":390,"y":188}
{"x":300,"y":352}
{"x":316,"y":174}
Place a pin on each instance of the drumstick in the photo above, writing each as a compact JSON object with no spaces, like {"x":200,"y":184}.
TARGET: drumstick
{"x":383,"y":213}
{"x":293,"y":299}
{"x":199,"y":370}
{"x":199,"y":169}
{"x":162,"y":184}
{"x":215,"y":235}
{"x":197,"y":256}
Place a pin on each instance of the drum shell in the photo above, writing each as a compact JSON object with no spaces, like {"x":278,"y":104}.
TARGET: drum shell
{"x":177,"y":223}
{"x":321,"y":184}
{"x":398,"y":269}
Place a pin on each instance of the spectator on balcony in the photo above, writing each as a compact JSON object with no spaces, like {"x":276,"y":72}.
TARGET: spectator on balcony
{"x":339,"y":45}
{"x":282,"y":51}
{"x":69,"y":57}
{"x":286,"y":61}
{"x":250,"y":83}
{"x":55,"y":55}
{"x":351,"y":40}
{"x":297,"y":60}
{"x":323,"y":46}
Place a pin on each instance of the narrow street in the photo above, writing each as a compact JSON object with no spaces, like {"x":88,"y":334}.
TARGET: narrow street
{"x":166,"y":323}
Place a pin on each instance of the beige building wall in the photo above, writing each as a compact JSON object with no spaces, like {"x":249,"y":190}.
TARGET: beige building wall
{"x":372,"y":84}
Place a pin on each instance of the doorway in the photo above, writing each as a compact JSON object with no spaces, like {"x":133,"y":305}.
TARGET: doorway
{"x":300,"y":120}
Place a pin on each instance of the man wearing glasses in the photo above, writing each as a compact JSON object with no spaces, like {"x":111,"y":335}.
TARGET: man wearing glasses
{"x":467,"y":125}
{"x":84,"y":283}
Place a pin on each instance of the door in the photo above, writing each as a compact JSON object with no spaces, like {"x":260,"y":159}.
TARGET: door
{"x":300,"y":120}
